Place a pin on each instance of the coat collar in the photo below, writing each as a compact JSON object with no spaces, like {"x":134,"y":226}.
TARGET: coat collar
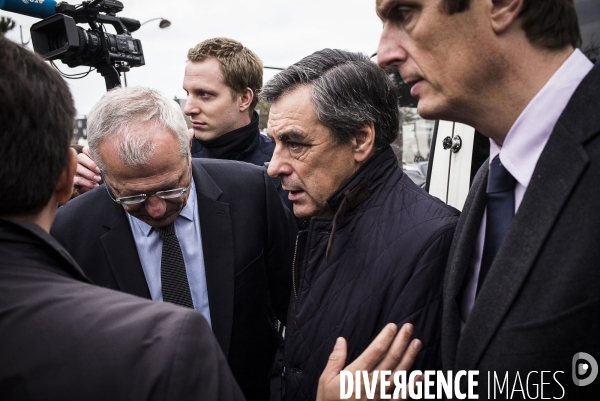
{"x":373,"y":173}
{"x":233,"y":145}
{"x":459,"y":262}
{"x":217,"y":245}
{"x":359,"y":188}
{"x":120,"y":249}
{"x":16,"y":231}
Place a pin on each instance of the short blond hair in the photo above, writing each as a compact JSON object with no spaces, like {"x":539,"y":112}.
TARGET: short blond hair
{"x":241,"y":67}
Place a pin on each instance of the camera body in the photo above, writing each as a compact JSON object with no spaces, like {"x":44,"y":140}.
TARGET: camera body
{"x":58,"y":37}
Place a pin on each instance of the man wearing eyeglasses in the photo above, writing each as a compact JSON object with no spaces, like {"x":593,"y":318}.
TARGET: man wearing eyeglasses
{"x":212,"y":235}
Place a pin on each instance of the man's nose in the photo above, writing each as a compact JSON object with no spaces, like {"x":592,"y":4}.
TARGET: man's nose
{"x":191,"y":107}
{"x":278,"y":166}
{"x":390,"y":52}
{"x":155,"y":206}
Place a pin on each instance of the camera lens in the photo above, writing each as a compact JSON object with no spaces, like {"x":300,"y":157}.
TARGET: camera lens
{"x":89,"y":42}
{"x":58,"y":40}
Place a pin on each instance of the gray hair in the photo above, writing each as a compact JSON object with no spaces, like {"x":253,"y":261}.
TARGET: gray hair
{"x":120,"y":109}
{"x":348,"y":91}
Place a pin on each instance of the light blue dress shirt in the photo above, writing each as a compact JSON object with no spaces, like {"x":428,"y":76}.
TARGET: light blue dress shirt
{"x":149,"y":247}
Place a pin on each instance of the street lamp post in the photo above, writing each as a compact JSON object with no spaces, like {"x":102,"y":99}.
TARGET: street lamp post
{"x":23,"y":43}
{"x":164,"y":23}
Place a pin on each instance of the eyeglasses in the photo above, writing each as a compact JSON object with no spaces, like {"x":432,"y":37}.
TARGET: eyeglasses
{"x":135,"y":199}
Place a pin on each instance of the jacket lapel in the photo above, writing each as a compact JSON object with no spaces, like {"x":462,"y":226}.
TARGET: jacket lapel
{"x":546,"y":194}
{"x":217,"y":245}
{"x":121,"y":252}
{"x":459,"y":263}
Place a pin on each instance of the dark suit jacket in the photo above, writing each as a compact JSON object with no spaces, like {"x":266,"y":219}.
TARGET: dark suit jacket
{"x":540,"y":303}
{"x":62,"y":338}
{"x":247,"y":239}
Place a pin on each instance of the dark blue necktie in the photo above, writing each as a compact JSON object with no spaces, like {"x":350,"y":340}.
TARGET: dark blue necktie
{"x":499,"y":213}
{"x":175,"y":286}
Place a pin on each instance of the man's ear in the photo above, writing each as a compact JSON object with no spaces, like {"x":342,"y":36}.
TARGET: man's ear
{"x":191,"y":133}
{"x":64,"y":188}
{"x":504,"y":13}
{"x":363,"y":142}
{"x":245,"y":99}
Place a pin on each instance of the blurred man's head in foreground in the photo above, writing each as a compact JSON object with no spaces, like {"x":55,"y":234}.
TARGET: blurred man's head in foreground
{"x":37,"y":114}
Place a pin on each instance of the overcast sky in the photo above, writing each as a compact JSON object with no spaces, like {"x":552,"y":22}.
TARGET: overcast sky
{"x":281,"y":32}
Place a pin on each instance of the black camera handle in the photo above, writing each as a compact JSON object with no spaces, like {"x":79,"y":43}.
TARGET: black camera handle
{"x":112,"y":77}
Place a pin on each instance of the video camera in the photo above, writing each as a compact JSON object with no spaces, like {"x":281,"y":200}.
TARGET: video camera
{"x":59,"y":37}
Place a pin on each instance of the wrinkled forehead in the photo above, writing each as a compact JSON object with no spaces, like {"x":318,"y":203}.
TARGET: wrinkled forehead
{"x":294,"y":108}
{"x":151,"y":153}
{"x":140,"y":179}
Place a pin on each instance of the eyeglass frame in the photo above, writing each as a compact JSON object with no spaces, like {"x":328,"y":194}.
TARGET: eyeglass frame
{"x":123,"y":199}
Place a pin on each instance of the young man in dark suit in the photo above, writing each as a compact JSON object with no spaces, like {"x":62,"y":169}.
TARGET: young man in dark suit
{"x":521,"y":291}
{"x":234,"y":235}
{"x":61,"y":337}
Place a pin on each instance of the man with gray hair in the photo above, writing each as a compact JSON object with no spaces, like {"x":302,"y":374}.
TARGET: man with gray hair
{"x":211,"y":235}
{"x":376,"y":244}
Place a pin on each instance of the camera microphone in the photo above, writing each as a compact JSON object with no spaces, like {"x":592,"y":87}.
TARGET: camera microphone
{"x":32,"y":8}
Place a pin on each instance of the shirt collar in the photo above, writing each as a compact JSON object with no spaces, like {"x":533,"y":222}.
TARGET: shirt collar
{"x":529,"y":134}
{"x":187,"y":212}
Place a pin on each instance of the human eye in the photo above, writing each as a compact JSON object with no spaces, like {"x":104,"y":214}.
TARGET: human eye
{"x":204,"y":94}
{"x":131,"y":200}
{"x":400,"y":13}
{"x":200,"y":94}
{"x":295,"y":146}
{"x":171,"y":193}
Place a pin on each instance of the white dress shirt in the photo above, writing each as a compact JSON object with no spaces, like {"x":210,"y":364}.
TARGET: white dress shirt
{"x":523,"y":146}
